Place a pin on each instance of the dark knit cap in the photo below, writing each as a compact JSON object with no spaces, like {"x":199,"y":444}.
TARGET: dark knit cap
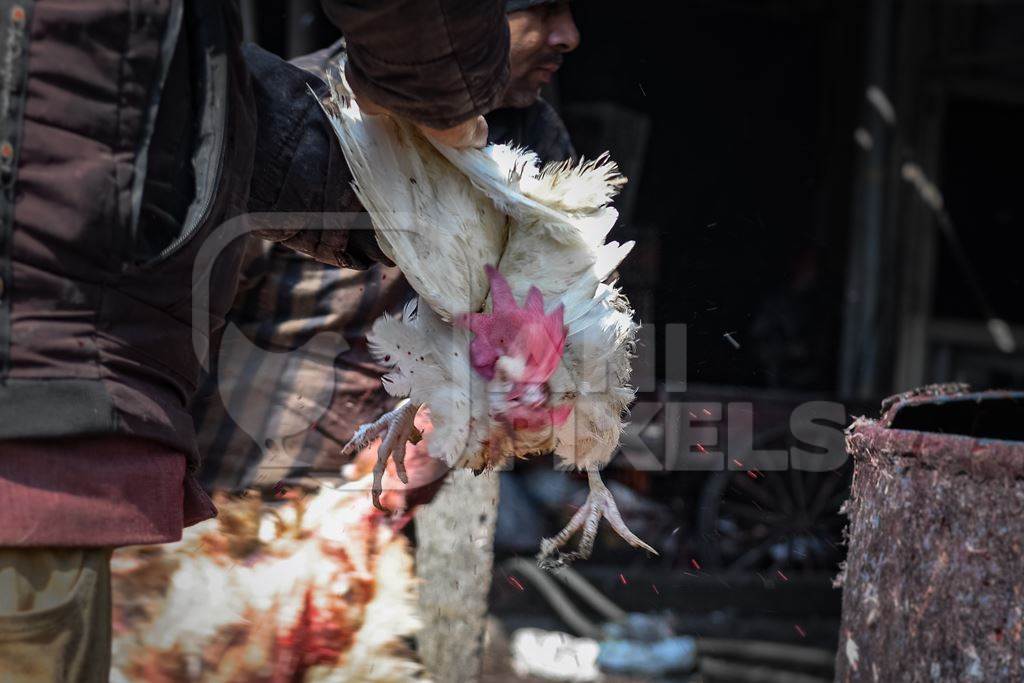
{"x":516,"y":5}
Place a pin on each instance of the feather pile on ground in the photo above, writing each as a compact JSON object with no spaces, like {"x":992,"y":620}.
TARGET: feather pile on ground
{"x":312,"y":588}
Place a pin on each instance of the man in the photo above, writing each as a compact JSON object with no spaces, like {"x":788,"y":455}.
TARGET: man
{"x":129,"y":132}
{"x":257,"y":433}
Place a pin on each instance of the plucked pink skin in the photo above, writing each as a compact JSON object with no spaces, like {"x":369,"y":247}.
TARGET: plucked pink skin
{"x":528,"y":335}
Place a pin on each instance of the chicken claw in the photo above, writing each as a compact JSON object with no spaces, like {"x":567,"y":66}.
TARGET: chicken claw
{"x":599,"y":504}
{"x":398,"y":429}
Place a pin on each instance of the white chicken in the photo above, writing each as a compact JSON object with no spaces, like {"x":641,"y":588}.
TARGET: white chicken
{"x":474,"y":232}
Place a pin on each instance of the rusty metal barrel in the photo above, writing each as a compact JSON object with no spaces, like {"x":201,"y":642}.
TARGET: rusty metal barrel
{"x":933,"y":586}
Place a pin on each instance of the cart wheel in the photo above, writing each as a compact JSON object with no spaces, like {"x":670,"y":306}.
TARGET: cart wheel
{"x":773,"y":521}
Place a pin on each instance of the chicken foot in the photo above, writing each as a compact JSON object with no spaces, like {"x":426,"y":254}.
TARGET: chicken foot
{"x":599,"y":504}
{"x":398,"y":429}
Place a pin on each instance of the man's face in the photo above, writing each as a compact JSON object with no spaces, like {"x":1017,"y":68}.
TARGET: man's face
{"x":540,"y":36}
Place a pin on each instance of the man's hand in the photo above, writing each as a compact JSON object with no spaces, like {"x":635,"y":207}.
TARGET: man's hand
{"x":471,"y":133}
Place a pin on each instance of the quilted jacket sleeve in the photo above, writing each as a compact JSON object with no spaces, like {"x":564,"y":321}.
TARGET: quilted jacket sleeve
{"x":435,"y":62}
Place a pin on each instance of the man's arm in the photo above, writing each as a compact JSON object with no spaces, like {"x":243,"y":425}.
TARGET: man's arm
{"x":438,"y":63}
{"x":301,"y":194}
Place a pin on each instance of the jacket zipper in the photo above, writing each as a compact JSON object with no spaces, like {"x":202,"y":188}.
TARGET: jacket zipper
{"x":220,"y":87}
{"x":200,"y":216}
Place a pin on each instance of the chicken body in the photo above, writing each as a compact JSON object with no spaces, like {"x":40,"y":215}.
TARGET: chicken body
{"x":476,"y":232}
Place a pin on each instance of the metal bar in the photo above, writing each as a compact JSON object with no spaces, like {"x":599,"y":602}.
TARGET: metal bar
{"x":860,"y":339}
{"x":250,"y":21}
{"x":300,"y":36}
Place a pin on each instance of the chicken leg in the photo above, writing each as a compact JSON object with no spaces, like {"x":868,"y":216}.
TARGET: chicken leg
{"x":599,"y":504}
{"x":398,"y":429}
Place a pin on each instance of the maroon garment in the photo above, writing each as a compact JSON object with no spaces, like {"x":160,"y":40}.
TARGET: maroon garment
{"x":96,"y":314}
{"x":111,"y":491}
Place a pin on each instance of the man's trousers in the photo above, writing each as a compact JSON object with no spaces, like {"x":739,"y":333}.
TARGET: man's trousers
{"x":54,"y":615}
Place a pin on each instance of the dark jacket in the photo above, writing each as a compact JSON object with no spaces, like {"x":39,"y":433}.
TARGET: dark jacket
{"x":130,"y":134}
